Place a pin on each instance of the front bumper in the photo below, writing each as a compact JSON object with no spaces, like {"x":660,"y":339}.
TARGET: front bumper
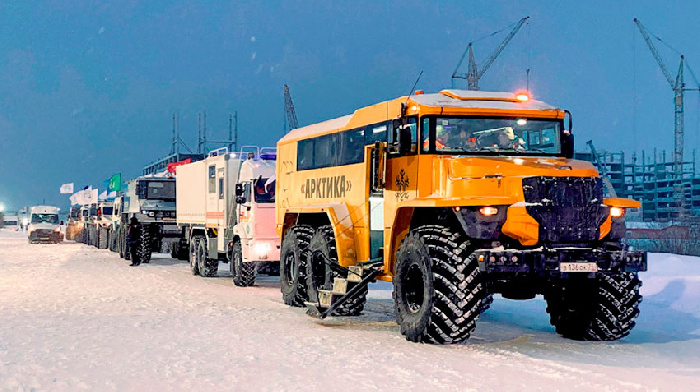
{"x":548,"y":261}
{"x":45,"y":235}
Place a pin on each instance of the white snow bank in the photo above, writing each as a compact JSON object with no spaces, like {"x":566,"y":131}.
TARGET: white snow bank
{"x":73,"y":317}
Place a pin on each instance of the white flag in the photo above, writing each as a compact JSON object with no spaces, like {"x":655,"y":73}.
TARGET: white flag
{"x":74,"y":199}
{"x":67,"y":188}
{"x":103,"y":196}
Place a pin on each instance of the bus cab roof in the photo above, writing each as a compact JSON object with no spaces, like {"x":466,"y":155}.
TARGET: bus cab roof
{"x":481,"y":101}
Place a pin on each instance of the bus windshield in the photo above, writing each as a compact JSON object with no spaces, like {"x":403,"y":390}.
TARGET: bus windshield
{"x":501,"y":136}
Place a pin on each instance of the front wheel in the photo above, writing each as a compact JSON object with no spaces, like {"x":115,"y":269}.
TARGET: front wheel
{"x":600,"y":309}
{"x":438,"y":292}
{"x":243,"y":273}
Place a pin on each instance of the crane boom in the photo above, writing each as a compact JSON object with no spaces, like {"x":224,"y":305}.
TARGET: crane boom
{"x":500,"y":48}
{"x":289,"y":109}
{"x":655,"y":53}
{"x":473,"y":73}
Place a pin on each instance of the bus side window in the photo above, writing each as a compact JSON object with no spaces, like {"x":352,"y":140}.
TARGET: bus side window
{"x":305,"y":152}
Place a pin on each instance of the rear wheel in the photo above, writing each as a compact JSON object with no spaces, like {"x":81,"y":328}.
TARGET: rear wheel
{"x":293,"y":265}
{"x":601,"y":309}
{"x":323,"y":241}
{"x":194,"y":250}
{"x":438,"y":292}
{"x":243,"y":273}
{"x":207,"y":267}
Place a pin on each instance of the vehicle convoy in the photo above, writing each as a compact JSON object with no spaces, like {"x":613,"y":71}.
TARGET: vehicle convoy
{"x":152,"y":201}
{"x":225,"y":208}
{"x":44,"y":225}
{"x":454,"y":197}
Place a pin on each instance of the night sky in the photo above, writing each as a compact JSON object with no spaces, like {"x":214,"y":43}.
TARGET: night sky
{"x":88,"y":88}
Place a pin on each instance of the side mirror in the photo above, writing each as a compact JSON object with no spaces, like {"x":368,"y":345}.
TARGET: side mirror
{"x":567,"y":144}
{"x":61,"y":223}
{"x":239,"y":191}
{"x":404,"y":140}
{"x":240,"y":199}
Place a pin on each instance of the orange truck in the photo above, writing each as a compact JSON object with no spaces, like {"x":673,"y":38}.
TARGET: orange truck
{"x":454,"y":197}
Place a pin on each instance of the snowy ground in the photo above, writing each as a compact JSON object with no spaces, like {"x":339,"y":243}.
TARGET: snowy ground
{"x":73,"y":317}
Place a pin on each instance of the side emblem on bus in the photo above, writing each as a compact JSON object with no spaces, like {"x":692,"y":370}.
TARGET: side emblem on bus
{"x":401,"y":185}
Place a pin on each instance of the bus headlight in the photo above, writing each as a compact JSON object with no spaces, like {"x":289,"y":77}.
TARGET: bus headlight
{"x":617,"y":212}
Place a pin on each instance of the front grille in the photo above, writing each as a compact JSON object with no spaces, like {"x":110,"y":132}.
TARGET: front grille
{"x":569,"y":210}
{"x":43,"y":233}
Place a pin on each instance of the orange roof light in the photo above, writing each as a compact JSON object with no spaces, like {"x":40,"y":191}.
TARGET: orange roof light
{"x":419,"y":92}
{"x":522,"y":97}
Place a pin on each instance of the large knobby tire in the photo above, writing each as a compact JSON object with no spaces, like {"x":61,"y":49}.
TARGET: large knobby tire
{"x":293,"y":265}
{"x":144,"y":246}
{"x":323,"y":241}
{"x":243,"y":273}
{"x":207,"y":267}
{"x":600,"y":309}
{"x":194,"y":249}
{"x":438,"y":292}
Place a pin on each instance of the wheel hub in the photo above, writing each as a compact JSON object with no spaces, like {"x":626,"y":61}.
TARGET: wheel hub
{"x":413,"y":288}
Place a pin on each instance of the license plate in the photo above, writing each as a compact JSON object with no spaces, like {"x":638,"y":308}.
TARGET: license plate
{"x":578,"y":267}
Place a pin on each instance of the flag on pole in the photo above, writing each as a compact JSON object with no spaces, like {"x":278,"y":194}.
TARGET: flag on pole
{"x":67,"y":188}
{"x":102,"y":196}
{"x":115,"y":183}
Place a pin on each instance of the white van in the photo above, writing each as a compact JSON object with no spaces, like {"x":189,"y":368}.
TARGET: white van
{"x":44,"y":225}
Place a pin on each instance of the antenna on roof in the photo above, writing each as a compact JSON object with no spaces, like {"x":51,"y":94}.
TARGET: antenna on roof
{"x":415,"y":84}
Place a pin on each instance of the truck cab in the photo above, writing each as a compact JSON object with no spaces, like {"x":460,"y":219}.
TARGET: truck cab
{"x":44,"y":225}
{"x":226,"y":211}
{"x":151,"y":200}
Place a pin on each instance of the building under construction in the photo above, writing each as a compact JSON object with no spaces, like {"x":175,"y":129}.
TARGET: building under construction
{"x":652,"y":180}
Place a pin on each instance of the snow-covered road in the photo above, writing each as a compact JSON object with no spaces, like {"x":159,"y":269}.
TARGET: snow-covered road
{"x":73,"y":317}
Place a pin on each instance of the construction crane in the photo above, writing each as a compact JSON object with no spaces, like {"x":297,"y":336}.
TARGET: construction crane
{"x":473,"y":73}
{"x":602,"y":170}
{"x":678,"y":87}
{"x":292,"y":122}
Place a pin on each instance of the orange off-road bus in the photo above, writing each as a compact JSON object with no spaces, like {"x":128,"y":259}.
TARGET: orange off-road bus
{"x":453,"y":197}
